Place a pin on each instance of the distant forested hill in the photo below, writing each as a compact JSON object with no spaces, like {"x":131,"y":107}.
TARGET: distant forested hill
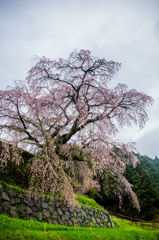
{"x":145,"y":181}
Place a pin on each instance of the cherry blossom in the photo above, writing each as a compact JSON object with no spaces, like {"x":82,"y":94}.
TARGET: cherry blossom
{"x":66,"y":110}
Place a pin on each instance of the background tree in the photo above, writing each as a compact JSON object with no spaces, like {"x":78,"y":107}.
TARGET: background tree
{"x":145,"y":181}
{"x":66,"y":110}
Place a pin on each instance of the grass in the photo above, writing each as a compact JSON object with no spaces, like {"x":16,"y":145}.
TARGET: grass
{"x":156,"y":219}
{"x":14,"y":228}
{"x":89,"y":202}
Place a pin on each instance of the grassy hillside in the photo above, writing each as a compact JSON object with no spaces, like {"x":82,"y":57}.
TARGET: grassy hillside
{"x":13,"y":228}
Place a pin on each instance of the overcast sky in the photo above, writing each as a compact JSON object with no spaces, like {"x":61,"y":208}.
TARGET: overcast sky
{"x":125,"y":31}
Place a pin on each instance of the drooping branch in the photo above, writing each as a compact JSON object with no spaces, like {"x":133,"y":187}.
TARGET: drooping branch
{"x":67,"y":101}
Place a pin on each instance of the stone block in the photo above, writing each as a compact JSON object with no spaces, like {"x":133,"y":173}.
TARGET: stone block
{"x":71,"y":209}
{"x":28,"y":210}
{"x":46,"y":213}
{"x":15,"y":201}
{"x":44,"y":205}
{"x":13,"y":212}
{"x":64,"y":208}
{"x":101,"y":225}
{"x":28,"y":202}
{"x":12,"y":193}
{"x":21,"y":211}
{"x":55,"y":215}
{"x":5,"y":196}
{"x":112,"y":225}
{"x":59,"y":211}
{"x":91,"y":213}
{"x":67,"y":215}
{"x":108,"y":224}
{"x":55,"y":222}
{"x":6,"y":205}
{"x":70,"y":223}
{"x":74,"y":219}
{"x":107,"y":214}
{"x":89,"y":217}
{"x":60,"y":222}
{"x":51,"y":209}
{"x":79,"y":220}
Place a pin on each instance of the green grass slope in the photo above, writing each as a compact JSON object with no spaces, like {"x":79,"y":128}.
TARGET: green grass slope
{"x":14,"y":228}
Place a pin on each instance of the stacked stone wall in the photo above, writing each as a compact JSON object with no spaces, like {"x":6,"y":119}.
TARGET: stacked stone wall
{"x":16,"y":203}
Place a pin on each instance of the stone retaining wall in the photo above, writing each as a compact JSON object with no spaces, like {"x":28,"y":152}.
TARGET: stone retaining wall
{"x":46,"y":209}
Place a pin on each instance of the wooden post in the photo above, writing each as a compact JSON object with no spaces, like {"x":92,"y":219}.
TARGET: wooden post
{"x":131,"y":220}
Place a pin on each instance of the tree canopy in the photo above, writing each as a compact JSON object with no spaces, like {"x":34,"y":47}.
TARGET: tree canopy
{"x":145,"y":181}
{"x":66,"y":110}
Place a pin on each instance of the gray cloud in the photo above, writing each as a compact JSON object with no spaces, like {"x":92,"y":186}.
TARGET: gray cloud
{"x":123,"y":31}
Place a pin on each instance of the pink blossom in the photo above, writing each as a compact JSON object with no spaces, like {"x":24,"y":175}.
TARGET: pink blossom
{"x":66,"y":108}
